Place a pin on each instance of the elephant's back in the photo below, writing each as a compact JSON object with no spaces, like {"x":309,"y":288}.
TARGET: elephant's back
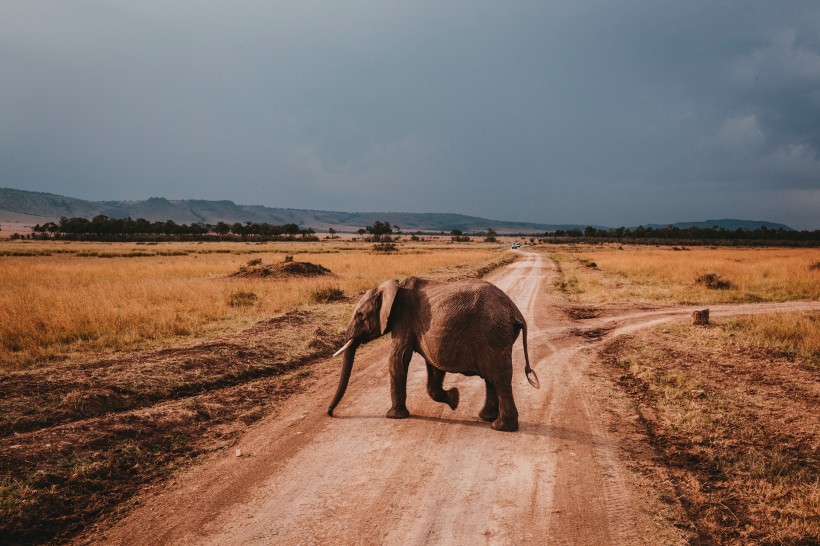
{"x":468,"y":320}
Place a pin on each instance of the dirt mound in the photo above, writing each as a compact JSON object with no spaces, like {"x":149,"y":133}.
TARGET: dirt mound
{"x":285,"y":269}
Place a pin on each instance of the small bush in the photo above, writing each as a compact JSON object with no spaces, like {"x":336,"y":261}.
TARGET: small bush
{"x":385,"y":247}
{"x":255,"y":261}
{"x":712,"y":281}
{"x":241,"y":298}
{"x":327,"y":294}
{"x":815,"y":266}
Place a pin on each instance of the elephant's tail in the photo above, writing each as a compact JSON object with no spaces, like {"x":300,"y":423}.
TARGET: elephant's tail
{"x":528,"y":371}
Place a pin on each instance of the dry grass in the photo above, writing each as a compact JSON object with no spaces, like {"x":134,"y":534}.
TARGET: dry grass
{"x":62,"y":300}
{"x":797,"y":333}
{"x":736,"y":423}
{"x":78,"y":439}
{"x":663,"y":275}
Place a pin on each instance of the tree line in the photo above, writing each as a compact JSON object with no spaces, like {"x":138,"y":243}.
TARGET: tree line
{"x":694,"y":233}
{"x":103,"y":228}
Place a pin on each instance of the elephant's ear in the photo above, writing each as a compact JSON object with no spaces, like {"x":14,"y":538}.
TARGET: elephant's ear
{"x":388,"y":290}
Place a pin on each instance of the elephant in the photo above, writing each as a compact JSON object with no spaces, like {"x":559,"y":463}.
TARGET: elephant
{"x":465,"y":327}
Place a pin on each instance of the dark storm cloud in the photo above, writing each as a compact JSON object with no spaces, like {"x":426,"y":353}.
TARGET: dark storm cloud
{"x":599,"y":112}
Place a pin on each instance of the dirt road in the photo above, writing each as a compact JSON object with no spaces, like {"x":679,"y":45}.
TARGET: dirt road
{"x":441,"y":476}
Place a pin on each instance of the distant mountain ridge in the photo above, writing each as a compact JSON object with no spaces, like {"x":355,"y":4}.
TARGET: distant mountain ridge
{"x":49,"y":206}
{"x":727,"y":223}
{"x":186,"y":211}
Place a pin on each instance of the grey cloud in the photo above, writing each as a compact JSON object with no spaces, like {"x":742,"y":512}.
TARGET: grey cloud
{"x":598,"y":112}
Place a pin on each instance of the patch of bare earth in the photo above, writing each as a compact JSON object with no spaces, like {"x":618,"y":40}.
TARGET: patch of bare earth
{"x":737,"y":426}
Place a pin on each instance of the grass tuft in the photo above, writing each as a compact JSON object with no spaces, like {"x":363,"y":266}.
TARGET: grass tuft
{"x":327,"y":294}
{"x":241,"y":298}
{"x":712,"y":281}
{"x":385,"y":247}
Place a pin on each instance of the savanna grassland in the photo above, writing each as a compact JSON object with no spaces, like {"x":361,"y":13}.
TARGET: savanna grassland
{"x":122,"y":362}
{"x":675,"y":275}
{"x":68,"y":301}
{"x":732,"y":409}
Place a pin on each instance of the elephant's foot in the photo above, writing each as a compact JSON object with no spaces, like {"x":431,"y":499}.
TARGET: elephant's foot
{"x":488,"y":413}
{"x":398,"y":413}
{"x":506,"y":425}
{"x":452,"y":398}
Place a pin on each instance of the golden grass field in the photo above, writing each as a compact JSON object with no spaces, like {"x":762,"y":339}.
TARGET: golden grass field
{"x":65,"y":300}
{"x":660,"y":275}
{"x":610,"y":273}
{"x":66,"y":306}
{"x":731,"y":409}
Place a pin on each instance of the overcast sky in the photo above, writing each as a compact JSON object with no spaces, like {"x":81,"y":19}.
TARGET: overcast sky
{"x":600,"y":112}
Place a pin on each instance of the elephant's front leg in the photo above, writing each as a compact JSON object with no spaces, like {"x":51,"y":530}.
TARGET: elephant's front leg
{"x":399,"y":363}
{"x":435,"y":380}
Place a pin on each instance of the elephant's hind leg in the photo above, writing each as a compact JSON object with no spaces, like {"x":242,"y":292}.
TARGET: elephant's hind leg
{"x":490,"y":410}
{"x":507,"y":419}
{"x":435,"y":380}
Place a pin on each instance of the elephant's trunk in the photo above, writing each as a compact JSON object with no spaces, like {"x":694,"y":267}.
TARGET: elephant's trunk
{"x":347,"y":366}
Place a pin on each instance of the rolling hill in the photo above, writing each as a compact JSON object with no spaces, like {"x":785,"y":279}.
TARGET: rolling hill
{"x":49,"y":206}
{"x":21,"y":206}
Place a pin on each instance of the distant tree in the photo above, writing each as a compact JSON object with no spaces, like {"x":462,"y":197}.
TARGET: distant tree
{"x":458,"y":236}
{"x":490,"y":238}
{"x":332,"y":232}
{"x":379,"y":230}
{"x":361,"y":232}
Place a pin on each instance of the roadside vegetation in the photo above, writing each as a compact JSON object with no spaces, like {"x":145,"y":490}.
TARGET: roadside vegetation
{"x":125,"y":362}
{"x":731,"y":409}
{"x":679,"y":275}
{"x":734,"y":417}
{"x":62,"y":301}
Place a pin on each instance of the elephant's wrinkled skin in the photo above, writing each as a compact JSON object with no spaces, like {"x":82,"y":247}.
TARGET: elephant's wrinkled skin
{"x":465,"y":327}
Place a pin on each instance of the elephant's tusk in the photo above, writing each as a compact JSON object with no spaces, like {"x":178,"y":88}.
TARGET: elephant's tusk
{"x":345,"y":346}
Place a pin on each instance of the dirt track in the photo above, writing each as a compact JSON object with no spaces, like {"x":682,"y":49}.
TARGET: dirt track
{"x":442,"y":476}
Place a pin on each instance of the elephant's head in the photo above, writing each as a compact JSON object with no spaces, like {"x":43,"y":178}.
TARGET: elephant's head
{"x":371,"y":319}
